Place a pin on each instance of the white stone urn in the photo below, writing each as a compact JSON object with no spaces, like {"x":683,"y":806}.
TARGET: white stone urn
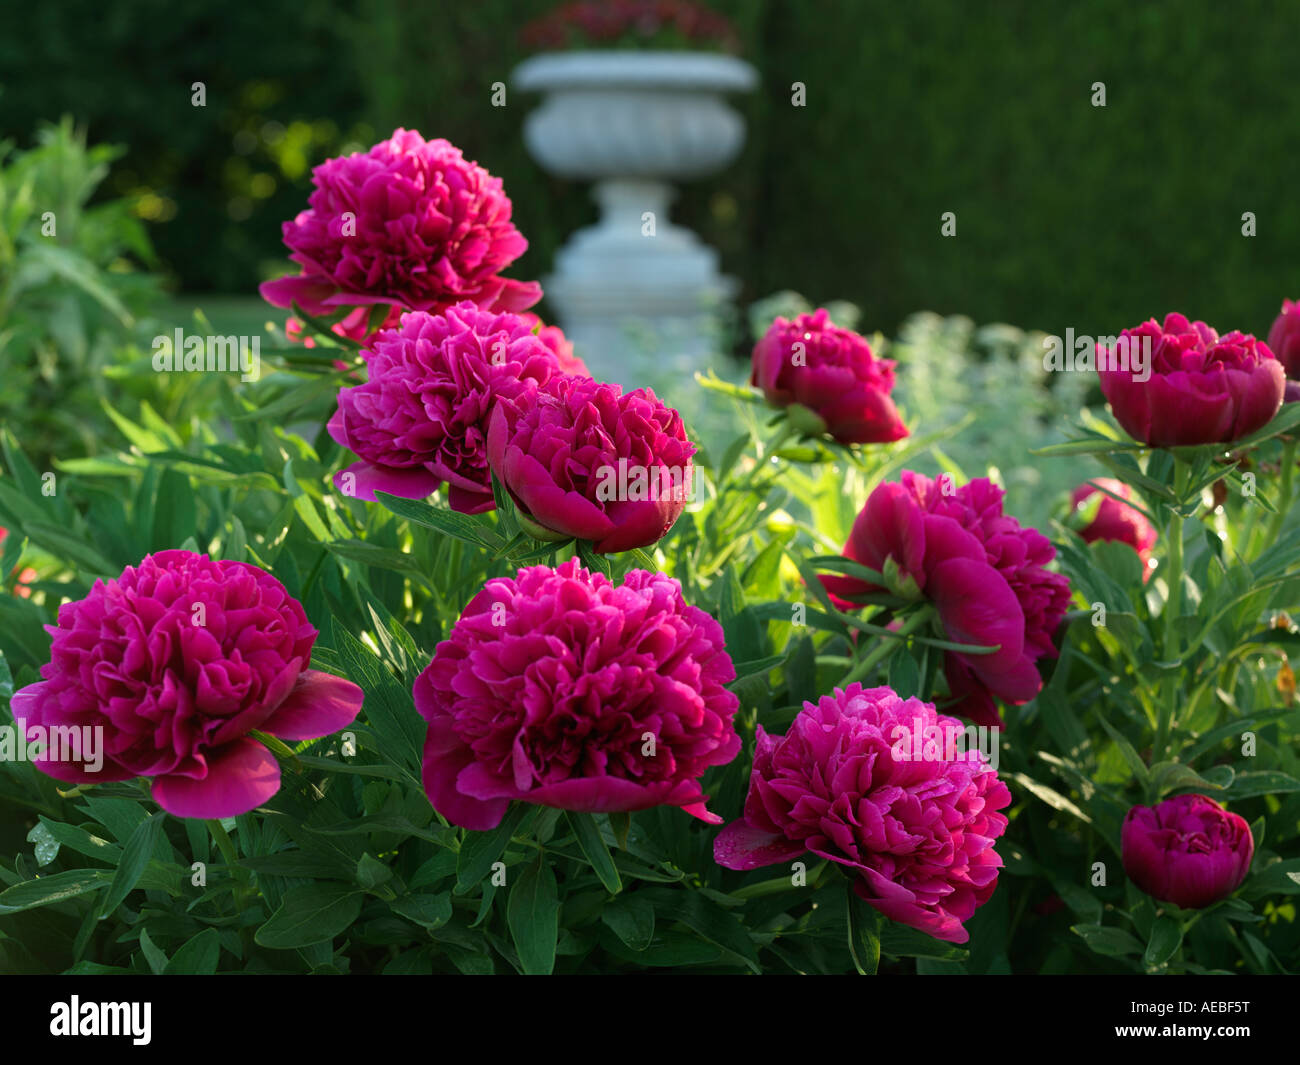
{"x":636,"y":291}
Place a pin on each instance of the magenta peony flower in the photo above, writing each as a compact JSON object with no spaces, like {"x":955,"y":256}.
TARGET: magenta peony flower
{"x":176,"y":662}
{"x":1187,"y":850}
{"x":422,"y":416}
{"x":412,"y":224}
{"x":560,"y":688}
{"x":1202,"y":388}
{"x":1116,"y":520}
{"x":844,"y":783}
{"x":1284,"y":338}
{"x":985,"y":574}
{"x":812,"y":364}
{"x":582,"y":458}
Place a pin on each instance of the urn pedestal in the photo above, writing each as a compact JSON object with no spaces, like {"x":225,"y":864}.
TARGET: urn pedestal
{"x":635,"y":293}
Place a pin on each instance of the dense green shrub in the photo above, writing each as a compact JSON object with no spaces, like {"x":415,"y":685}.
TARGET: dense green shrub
{"x":349,"y":869}
{"x":71,"y":294}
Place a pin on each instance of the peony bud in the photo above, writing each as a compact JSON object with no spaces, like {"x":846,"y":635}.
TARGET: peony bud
{"x":1196,"y":388}
{"x":1284,"y":339}
{"x":1187,"y":850}
{"x":1115,"y":520}
{"x":828,"y":379}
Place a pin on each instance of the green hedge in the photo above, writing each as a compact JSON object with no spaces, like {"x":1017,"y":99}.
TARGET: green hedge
{"x":1067,"y":214}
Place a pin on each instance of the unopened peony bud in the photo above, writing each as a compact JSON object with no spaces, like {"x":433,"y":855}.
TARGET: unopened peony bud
{"x":843,"y":387}
{"x":1200,"y":388}
{"x":1187,"y":850}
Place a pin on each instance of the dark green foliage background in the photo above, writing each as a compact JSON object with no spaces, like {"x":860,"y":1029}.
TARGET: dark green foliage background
{"x":912,"y":110}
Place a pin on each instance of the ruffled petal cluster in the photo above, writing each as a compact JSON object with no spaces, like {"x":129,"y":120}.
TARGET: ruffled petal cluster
{"x":986,"y":575}
{"x":1202,"y":388}
{"x":845,"y":783}
{"x":411,"y":224}
{"x":171,"y":666}
{"x":560,"y":688}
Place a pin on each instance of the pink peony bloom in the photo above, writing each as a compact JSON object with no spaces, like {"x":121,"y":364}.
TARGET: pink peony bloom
{"x":560,"y":688}
{"x":177,"y":661}
{"x":1202,"y":388}
{"x":582,"y":458}
{"x":985,"y":574}
{"x":1116,"y":520}
{"x":846,"y":784}
{"x":1187,"y":850}
{"x":412,"y":224}
{"x":422,"y":416}
{"x":1284,"y":338}
{"x":814,"y":364}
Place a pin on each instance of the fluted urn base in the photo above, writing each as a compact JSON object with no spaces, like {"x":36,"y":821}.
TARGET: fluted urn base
{"x":640,"y":297}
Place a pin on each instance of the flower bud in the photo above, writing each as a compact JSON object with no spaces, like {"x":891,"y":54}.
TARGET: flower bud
{"x":1187,"y":850}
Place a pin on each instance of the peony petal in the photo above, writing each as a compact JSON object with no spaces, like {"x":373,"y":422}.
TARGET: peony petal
{"x":977,"y":606}
{"x":864,"y":416}
{"x":945,"y":539}
{"x":319,"y":704}
{"x":603,"y":795}
{"x":638,"y":524}
{"x":549,"y":504}
{"x":337,"y":427}
{"x":1258,"y":394}
{"x":891,"y":525}
{"x":702,"y":812}
{"x":742,"y":846}
{"x":308,"y":292}
{"x":25,"y":703}
{"x":78,"y":772}
{"x":465,"y":501}
{"x":27,"y":709}
{"x":477,"y":781}
{"x":898,"y":903}
{"x":410,"y":482}
{"x":445,"y":756}
{"x":971,"y":699}
{"x":515,"y":296}
{"x":240,"y":777}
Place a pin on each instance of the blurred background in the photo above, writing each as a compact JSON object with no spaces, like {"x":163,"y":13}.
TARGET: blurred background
{"x":1068,"y":215}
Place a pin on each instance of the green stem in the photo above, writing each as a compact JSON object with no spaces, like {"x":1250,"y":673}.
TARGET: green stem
{"x":780,"y":884}
{"x":237,"y":872}
{"x":1283,"y":503}
{"x":224,"y":843}
{"x":1173,"y":610}
{"x":315,"y":572}
{"x":1246,"y":533}
{"x":888,"y":647}
{"x":1190,"y":921}
{"x":783,"y":433}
